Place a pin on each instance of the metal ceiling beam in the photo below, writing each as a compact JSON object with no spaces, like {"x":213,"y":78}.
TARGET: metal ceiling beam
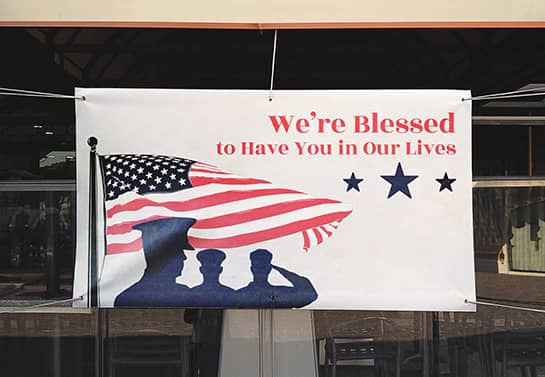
{"x":96,"y":57}
{"x":483,"y":120}
{"x":39,"y":185}
{"x":114,"y":56}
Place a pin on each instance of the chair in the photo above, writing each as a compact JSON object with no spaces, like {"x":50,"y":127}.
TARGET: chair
{"x":170,"y":352}
{"x":380,"y":354}
{"x":525,"y":350}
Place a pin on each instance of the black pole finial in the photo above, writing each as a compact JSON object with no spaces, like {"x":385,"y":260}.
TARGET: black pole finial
{"x":92,"y":142}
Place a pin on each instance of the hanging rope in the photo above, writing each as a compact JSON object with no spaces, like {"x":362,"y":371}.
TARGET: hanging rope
{"x":31,"y":93}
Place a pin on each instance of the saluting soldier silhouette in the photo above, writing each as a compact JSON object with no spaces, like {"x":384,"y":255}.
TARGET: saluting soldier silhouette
{"x":260,"y":293}
{"x":164,"y":242}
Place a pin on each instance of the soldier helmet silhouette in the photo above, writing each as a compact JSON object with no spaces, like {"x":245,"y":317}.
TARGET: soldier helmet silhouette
{"x":211,"y":260}
{"x":164,"y":242}
{"x":162,"y":239}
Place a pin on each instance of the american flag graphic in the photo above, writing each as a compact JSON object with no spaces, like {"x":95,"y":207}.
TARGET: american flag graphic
{"x":231,"y":211}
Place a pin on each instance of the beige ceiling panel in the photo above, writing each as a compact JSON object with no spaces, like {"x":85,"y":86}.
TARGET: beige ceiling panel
{"x":271,"y":13}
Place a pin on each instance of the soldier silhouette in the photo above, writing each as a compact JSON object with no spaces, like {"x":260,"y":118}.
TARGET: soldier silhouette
{"x":260,"y":293}
{"x":164,"y":243}
{"x":211,"y":293}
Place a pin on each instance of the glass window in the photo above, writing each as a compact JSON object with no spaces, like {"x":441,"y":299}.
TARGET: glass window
{"x":500,"y":151}
{"x":508,"y":229}
{"x":37,"y":214}
{"x":169,"y":342}
{"x":538,"y":151}
{"x":37,"y":244}
{"x":48,"y":344}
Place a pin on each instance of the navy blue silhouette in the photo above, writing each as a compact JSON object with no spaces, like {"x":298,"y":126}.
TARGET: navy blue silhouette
{"x":164,"y":242}
{"x":211,"y":293}
{"x":259,"y":293}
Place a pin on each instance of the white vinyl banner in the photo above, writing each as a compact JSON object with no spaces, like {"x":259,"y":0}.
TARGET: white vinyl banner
{"x":308,"y":199}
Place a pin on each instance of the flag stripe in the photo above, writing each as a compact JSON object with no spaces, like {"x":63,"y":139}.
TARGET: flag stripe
{"x":201,"y":170}
{"x":230,"y":218}
{"x":240,"y":239}
{"x":263,"y":235}
{"x":204,"y":165}
{"x":127,"y":217}
{"x":193,"y":193}
{"x":201,"y":181}
{"x":329,"y":234}
{"x":126,"y":226}
{"x":306,"y":240}
{"x":116,"y":248}
{"x":330,"y":228}
{"x":319,"y":238}
{"x":272,"y":221}
{"x":196,"y":203}
{"x":123,"y":238}
{"x":255,"y":225}
{"x":259,"y":213}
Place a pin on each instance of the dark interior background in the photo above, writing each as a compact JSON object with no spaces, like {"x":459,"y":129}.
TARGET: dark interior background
{"x":37,"y":141}
{"x":56,"y":60}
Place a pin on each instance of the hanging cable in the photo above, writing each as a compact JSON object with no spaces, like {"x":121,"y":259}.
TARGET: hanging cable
{"x":505,"y":95}
{"x":272,"y":64}
{"x":518,"y":91}
{"x":31,"y":93}
{"x":44,"y":304}
{"x":484,"y":303}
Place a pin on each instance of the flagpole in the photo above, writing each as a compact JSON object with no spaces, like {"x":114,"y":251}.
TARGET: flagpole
{"x":93,"y":291}
{"x":93,"y":268}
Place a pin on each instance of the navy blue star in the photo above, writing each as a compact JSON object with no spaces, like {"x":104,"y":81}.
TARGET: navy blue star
{"x":353,"y":182}
{"x":445,"y":182}
{"x":399,"y":182}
